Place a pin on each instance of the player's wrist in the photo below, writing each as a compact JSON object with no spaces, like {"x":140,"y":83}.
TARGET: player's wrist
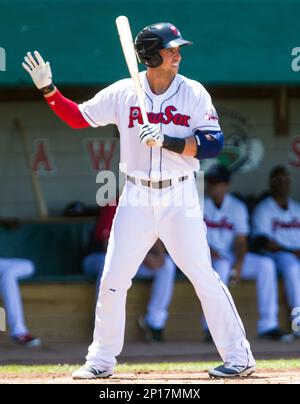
{"x":48,"y":90}
{"x":173,"y":144}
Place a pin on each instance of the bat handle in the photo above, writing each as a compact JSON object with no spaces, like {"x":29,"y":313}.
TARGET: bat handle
{"x":150,"y":142}
{"x":144,"y":113}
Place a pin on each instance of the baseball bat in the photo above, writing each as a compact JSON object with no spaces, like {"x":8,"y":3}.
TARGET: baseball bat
{"x":36,"y":187}
{"x":131,"y":61}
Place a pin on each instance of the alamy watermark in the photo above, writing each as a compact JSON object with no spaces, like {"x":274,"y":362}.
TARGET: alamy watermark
{"x":2,"y":60}
{"x":296,"y":60}
{"x":2,"y":319}
{"x":179,"y":189}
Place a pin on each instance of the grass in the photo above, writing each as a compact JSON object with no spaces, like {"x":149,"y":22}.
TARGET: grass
{"x":281,"y":364}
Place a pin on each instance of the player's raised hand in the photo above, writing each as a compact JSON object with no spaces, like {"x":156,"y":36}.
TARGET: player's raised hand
{"x":38,"y":69}
{"x":151,"y":136}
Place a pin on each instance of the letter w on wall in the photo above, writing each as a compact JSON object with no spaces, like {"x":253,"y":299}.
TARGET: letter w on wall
{"x":101,"y":153}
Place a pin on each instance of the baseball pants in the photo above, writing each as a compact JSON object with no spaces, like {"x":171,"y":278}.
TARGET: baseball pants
{"x":11,"y":271}
{"x":161,"y":290}
{"x":288,"y":266}
{"x":174,"y":215}
{"x":261,"y":269}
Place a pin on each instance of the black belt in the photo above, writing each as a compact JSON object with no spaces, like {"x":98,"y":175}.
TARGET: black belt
{"x":156,"y":184}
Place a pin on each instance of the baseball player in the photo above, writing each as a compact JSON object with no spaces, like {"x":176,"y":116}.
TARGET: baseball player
{"x":183,"y":128}
{"x":227,"y":222}
{"x":276,"y":222}
{"x":11,"y":271}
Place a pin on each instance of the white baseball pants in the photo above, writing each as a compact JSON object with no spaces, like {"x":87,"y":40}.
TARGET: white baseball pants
{"x":172,"y":214}
{"x":11,"y":271}
{"x":261,"y":269}
{"x":289,"y":267}
{"x":161,"y":289}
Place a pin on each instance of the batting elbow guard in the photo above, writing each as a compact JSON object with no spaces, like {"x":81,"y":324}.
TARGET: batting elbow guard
{"x":208,"y":147}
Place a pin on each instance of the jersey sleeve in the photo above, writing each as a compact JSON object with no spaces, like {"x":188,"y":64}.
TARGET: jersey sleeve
{"x":205,"y":116}
{"x":101,"y":110}
{"x":241,"y":219}
{"x":261,"y":223}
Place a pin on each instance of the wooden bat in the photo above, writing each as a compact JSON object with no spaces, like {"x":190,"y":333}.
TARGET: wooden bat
{"x":130,"y":57}
{"x":35,"y":183}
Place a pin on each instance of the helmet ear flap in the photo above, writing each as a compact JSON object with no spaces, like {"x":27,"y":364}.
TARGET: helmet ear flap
{"x":148,"y":58}
{"x":147,"y":50}
{"x":153,"y":61}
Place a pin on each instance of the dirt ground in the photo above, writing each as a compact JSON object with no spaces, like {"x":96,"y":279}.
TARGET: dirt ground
{"x":73,"y":354}
{"x":265,"y":376}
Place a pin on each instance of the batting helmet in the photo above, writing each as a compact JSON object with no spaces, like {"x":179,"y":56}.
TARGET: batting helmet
{"x":151,"y":39}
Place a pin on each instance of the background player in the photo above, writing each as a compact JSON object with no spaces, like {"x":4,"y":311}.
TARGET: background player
{"x":184,"y":125}
{"x":12,"y":270}
{"x":276,"y":222}
{"x":227,"y":222}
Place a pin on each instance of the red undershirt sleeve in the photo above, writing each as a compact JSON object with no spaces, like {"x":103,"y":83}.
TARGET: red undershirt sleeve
{"x":67,"y":110}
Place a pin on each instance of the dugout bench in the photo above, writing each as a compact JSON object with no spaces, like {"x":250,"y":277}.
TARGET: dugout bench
{"x":59,"y":301}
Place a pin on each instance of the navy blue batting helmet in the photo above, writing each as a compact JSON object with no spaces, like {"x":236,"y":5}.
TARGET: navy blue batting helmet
{"x":154,"y":37}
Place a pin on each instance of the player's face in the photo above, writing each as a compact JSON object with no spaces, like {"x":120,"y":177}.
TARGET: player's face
{"x":280,"y":184}
{"x":216,"y":190}
{"x":171,"y":59}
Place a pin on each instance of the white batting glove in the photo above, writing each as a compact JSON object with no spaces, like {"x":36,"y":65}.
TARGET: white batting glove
{"x":151,"y":136}
{"x":39,"y":71}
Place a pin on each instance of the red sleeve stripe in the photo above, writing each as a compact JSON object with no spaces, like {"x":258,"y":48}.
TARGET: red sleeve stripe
{"x":67,"y":110}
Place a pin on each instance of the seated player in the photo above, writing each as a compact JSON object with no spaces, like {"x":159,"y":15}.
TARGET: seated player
{"x":227,"y":222}
{"x":11,"y":271}
{"x":276,"y":223}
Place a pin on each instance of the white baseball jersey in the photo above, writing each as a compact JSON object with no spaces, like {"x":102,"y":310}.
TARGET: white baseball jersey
{"x":183,"y":108}
{"x":278,"y":224}
{"x":224,"y":224}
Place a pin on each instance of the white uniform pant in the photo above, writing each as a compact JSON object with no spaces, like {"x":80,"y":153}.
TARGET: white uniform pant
{"x":161,"y":289}
{"x":262,"y":269}
{"x":180,"y":227}
{"x":11,"y":271}
{"x":288,"y":266}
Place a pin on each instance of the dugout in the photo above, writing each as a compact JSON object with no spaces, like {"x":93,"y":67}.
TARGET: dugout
{"x":246,"y":53}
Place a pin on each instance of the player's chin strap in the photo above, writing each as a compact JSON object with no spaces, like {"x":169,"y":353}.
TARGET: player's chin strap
{"x":209,"y":143}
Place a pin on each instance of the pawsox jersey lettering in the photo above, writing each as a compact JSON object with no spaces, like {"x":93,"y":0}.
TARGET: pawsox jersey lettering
{"x":165,"y":117}
{"x":185,"y":107}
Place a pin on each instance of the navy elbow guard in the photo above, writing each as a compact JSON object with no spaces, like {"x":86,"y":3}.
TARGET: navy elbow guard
{"x":208,"y":148}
